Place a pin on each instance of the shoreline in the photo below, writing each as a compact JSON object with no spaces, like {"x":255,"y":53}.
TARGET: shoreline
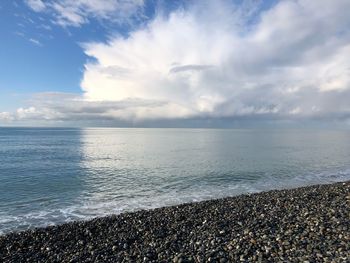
{"x":307,"y":224}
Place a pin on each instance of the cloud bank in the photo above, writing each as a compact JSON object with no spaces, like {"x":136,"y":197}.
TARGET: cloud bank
{"x":215,"y":59}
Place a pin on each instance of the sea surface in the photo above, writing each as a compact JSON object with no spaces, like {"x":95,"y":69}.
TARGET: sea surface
{"x":50,"y":176}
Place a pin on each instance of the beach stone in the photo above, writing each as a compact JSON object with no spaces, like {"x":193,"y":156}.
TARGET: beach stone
{"x":308,"y":224}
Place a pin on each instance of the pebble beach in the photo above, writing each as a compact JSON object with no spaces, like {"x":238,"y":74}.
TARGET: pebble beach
{"x":308,"y":224}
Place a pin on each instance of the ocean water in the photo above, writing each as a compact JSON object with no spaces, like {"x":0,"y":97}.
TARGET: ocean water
{"x":50,"y":176}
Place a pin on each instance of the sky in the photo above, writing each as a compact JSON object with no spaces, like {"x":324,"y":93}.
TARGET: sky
{"x":158,"y":63}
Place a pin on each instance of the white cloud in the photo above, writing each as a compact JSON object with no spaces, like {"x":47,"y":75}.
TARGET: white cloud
{"x":27,"y":113}
{"x":35,"y":41}
{"x":204,"y":63}
{"x":36,"y":5}
{"x":78,"y":12}
{"x":210,"y":61}
{"x":6,"y":117}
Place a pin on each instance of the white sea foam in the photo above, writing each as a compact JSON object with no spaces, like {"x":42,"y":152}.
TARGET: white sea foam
{"x":85,"y":210}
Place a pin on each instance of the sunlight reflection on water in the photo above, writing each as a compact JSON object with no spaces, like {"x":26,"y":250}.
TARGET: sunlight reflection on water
{"x":50,"y":176}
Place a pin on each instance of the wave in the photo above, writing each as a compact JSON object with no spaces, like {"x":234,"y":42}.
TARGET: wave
{"x":85,"y":209}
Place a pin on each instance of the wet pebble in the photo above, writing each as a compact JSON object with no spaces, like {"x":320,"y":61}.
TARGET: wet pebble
{"x":309,"y":224}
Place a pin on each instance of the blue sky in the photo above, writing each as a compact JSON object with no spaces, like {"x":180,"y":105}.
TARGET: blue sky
{"x":39,"y":56}
{"x":139,"y":61}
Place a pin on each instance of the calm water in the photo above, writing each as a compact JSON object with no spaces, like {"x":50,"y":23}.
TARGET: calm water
{"x":50,"y":176}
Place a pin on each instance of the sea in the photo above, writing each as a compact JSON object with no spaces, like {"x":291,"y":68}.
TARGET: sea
{"x":50,"y":176}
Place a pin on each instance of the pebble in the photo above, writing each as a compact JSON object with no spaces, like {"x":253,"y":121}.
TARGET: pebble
{"x":308,"y":224}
